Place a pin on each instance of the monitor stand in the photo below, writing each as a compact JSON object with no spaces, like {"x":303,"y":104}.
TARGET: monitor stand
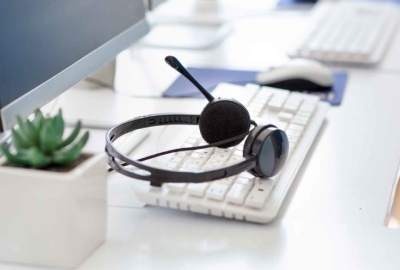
{"x":188,"y":35}
{"x":188,"y":25}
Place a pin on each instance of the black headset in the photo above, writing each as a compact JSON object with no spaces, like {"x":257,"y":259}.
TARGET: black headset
{"x":223,"y":123}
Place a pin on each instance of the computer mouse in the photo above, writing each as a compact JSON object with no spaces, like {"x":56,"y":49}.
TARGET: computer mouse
{"x":298,"y":75}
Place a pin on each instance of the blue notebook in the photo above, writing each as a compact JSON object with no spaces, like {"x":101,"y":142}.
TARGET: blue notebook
{"x":211,"y":77}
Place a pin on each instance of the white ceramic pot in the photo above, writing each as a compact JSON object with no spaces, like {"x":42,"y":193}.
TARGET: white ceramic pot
{"x":52,"y":218}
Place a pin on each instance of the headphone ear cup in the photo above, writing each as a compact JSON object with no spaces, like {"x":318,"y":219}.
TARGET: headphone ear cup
{"x":271,"y":146}
{"x":251,"y":138}
{"x":223,"y":119}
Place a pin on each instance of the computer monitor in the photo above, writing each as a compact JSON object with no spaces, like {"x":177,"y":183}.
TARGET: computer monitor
{"x":47,"y":46}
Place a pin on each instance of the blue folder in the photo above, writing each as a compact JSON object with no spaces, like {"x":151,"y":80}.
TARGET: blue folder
{"x":211,"y":77}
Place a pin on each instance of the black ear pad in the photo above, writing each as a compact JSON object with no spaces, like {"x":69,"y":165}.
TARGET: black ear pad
{"x":223,"y":119}
{"x":271,"y":146}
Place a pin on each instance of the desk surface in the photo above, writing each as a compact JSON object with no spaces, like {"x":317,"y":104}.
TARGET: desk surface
{"x":334,"y":214}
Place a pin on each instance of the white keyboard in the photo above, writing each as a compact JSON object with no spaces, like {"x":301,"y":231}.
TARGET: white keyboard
{"x":349,"y":32}
{"x":243,"y":197}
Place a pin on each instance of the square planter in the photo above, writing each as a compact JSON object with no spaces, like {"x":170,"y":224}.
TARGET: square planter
{"x":53,"y":218}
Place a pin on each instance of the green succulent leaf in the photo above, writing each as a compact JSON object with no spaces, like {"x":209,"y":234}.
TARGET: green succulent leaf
{"x":33,"y":134}
{"x":71,"y":154}
{"x":49,"y":138}
{"x":18,"y":140}
{"x":39,"y":119}
{"x":39,"y":143}
{"x":74,"y":134}
{"x":58,"y":122}
{"x":15,"y":159}
{"x":37,"y":159}
{"x":21,"y":124}
{"x":26,"y":133}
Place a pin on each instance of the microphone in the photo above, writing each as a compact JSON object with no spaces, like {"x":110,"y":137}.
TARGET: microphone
{"x":175,"y":64}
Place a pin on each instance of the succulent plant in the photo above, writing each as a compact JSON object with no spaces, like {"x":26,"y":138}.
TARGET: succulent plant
{"x":40,"y":143}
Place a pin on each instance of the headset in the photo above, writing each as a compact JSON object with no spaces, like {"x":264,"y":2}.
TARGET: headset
{"x":223,"y":123}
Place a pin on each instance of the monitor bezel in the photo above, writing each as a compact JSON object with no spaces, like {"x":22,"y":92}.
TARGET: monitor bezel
{"x":58,"y":84}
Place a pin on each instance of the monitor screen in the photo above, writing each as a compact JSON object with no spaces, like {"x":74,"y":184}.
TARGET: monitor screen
{"x":41,"y":38}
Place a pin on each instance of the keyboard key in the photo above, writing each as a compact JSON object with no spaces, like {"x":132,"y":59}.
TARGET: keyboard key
{"x":172,"y":165}
{"x":143,"y":172}
{"x":305,"y":114}
{"x":227,"y":181}
{"x":212,"y":162}
{"x":296,"y":97}
{"x":189,"y":167}
{"x":300,"y":120}
{"x":178,"y":160}
{"x":235,"y":159}
{"x":208,"y":167}
{"x":246,"y":175}
{"x":265,"y":90}
{"x":223,"y":150}
{"x":280,"y":93}
{"x":251,"y":88}
{"x":194,"y":161}
{"x":280,"y":124}
{"x":285,"y":116}
{"x":291,"y":106}
{"x":296,"y":127}
{"x":275,"y":105}
{"x":308,"y":108}
{"x":255,"y":201}
{"x":217,"y":191}
{"x":197,"y":190}
{"x":177,"y":187}
{"x":202,"y":156}
{"x":207,"y":151}
{"x":256,"y":105}
{"x":245,"y":181}
{"x":237,"y":193}
{"x":263,"y":98}
{"x":293,"y":133}
{"x":266,"y":184}
{"x":180,"y":154}
{"x":293,"y":141}
{"x":310,"y":99}
{"x":263,"y":190}
{"x":219,"y":157}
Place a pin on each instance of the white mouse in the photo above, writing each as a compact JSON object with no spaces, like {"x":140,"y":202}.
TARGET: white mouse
{"x":298,"y":75}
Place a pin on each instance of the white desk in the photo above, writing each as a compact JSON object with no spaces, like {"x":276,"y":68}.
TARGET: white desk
{"x":333,"y":217}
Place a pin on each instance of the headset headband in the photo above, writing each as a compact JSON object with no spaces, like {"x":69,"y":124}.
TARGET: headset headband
{"x":157,"y":175}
